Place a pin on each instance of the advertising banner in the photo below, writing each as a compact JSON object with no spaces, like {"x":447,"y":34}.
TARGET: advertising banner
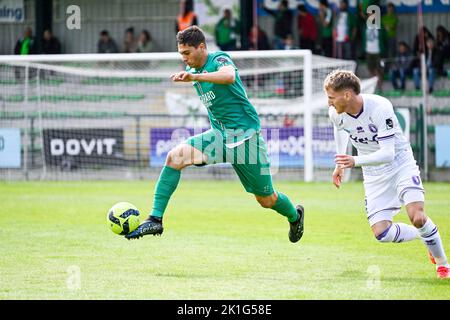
{"x":12,"y":11}
{"x":442,"y":135}
{"x":74,"y":148}
{"x":285,"y":145}
{"x":10,"y":148}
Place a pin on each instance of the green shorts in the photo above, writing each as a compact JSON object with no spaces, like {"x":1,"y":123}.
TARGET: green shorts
{"x":249,"y":159}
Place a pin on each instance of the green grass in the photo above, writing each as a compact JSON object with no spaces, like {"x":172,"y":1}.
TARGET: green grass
{"x":217,"y":244}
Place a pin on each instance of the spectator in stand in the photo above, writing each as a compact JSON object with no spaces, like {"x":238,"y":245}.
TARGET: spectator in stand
{"x":345,"y":32}
{"x":187,"y":16}
{"x":374,"y":40}
{"x":326,"y":28}
{"x":27,"y":44}
{"x":106,"y":44}
{"x":289,"y":84}
{"x":443,"y":44}
{"x":289,"y":43}
{"x":418,"y":44}
{"x":145,"y":42}
{"x":401,"y":66}
{"x":365,"y":4}
{"x":361,"y":24}
{"x":129,"y":42}
{"x":227,"y":31}
{"x":390,"y":22}
{"x":283,"y":23}
{"x":307,"y":29}
{"x":420,"y":41}
{"x":433,"y":60}
{"x":357,"y":46}
{"x":50,"y":44}
{"x":258,"y":39}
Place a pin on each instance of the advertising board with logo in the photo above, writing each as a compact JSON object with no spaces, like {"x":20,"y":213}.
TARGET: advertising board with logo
{"x":75,"y":148}
{"x":285,"y":145}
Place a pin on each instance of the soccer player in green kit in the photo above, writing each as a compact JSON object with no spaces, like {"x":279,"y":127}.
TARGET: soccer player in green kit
{"x":234,"y":136}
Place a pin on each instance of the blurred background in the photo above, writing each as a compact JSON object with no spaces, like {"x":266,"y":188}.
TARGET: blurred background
{"x":84,"y":90}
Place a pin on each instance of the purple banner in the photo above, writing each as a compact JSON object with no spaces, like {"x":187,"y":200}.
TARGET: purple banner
{"x":285,"y":145}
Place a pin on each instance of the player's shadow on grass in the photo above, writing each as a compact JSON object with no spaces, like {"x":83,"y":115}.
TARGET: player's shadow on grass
{"x":360,"y":275}
{"x":181,"y":275}
{"x":429,"y":280}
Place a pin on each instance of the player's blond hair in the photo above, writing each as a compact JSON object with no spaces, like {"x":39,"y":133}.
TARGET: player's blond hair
{"x":339,"y":80}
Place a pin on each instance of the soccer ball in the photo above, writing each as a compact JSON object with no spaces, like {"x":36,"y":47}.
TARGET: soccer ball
{"x":122,"y":218}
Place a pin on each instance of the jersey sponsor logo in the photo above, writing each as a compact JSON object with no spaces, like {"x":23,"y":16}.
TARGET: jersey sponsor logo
{"x":207,"y":98}
{"x":364,"y":140}
{"x":389,"y":123}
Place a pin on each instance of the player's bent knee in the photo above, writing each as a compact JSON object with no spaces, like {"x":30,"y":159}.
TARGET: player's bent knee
{"x":178,"y":158}
{"x":419,"y":219}
{"x":383,"y":237}
{"x":416,"y":214}
{"x":381,"y":231}
{"x":266,"y":202}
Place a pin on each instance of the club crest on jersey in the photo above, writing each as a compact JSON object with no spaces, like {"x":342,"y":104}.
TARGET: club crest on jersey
{"x":373,"y":128}
{"x":416,"y":180}
{"x":222,"y":60}
{"x":389,"y":123}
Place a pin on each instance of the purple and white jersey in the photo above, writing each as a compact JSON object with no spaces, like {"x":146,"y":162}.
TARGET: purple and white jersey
{"x":376,"y":121}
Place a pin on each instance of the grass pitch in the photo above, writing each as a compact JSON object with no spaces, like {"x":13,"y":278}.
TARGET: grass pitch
{"x":218,"y":243}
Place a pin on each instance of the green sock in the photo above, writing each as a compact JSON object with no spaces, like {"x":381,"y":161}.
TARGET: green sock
{"x":285,"y":207}
{"x":166,"y":185}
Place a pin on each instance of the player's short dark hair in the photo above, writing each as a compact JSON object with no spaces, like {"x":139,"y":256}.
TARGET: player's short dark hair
{"x":339,"y":80}
{"x":191,"y":36}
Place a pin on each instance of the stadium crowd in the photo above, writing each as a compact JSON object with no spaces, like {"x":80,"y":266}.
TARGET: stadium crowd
{"x":335,"y":32}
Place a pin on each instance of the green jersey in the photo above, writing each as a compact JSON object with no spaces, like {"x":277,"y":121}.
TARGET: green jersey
{"x":390,"y":22}
{"x":229,"y":109}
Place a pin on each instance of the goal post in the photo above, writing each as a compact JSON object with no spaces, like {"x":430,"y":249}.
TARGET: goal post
{"x":112,"y":116}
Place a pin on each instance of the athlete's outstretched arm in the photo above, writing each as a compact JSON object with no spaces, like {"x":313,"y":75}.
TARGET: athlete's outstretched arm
{"x":225,"y":75}
{"x":385,"y":154}
{"x":341,"y":139}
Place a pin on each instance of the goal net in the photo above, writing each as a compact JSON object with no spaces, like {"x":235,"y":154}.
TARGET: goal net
{"x":116,"y":116}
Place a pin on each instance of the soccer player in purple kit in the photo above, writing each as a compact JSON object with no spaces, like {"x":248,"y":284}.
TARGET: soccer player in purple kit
{"x":391,"y":175}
